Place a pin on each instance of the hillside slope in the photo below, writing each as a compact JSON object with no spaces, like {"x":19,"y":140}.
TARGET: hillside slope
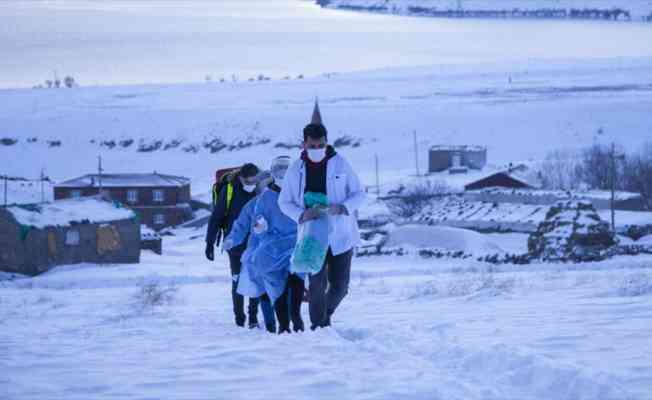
{"x":193,"y":129}
{"x":636,"y":8}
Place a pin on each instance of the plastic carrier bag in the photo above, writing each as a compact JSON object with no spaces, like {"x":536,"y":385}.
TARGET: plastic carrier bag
{"x":312,"y":238}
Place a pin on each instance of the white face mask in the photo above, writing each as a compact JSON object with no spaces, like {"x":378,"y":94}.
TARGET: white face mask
{"x":316,"y":155}
{"x":249,"y":188}
{"x":279,"y":182}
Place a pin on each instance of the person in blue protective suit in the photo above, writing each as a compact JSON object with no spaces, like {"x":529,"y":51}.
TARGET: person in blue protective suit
{"x":273,"y":237}
{"x":250,"y":282}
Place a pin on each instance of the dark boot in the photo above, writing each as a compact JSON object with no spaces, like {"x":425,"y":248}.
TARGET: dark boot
{"x":268,"y":312}
{"x":238,"y":299}
{"x":271,"y":328}
{"x":253,"y":313}
{"x":282,"y":315}
{"x":296,"y":291}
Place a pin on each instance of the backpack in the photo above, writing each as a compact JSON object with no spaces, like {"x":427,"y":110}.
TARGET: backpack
{"x":224,"y":178}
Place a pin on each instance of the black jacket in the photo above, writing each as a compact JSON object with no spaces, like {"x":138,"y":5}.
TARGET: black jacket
{"x":316,"y":172}
{"x":221,"y":218}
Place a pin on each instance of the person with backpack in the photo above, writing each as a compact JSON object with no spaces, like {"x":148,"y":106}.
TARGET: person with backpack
{"x":322,"y":171}
{"x":238,"y":188}
{"x":272,"y":237}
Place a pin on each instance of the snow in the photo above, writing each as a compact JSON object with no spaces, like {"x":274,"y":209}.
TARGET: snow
{"x":143,"y":41}
{"x":645,"y":240}
{"x":410,"y":328}
{"x":455,"y":211}
{"x":442,"y":238}
{"x":424,"y":99}
{"x":638,"y":8}
{"x":66,"y":212}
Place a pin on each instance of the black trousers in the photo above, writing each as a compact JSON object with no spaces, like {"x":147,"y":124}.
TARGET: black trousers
{"x":329,"y":287}
{"x":238,"y":299}
{"x":288,"y":306}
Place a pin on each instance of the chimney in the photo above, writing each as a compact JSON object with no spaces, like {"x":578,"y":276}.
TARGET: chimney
{"x":316,"y":114}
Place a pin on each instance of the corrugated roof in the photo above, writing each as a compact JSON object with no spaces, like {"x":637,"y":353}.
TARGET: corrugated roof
{"x":126,"y":180}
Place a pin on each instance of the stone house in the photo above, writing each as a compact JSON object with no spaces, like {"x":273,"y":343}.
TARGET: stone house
{"x":35,"y":238}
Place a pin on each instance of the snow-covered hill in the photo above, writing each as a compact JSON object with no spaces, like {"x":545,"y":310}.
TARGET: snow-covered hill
{"x":637,"y":9}
{"x":519,"y":111}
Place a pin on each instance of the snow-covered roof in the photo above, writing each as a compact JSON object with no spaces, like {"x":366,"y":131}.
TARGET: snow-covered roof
{"x":446,"y":147}
{"x":66,"y":212}
{"x":126,"y":180}
{"x":563,"y":194}
{"x":517,"y":175}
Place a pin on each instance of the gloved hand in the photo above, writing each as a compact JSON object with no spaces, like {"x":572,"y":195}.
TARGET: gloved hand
{"x":210,"y":251}
{"x":337,"y":209}
{"x":261,"y":225}
{"x":227,"y":244}
{"x":310,"y":214}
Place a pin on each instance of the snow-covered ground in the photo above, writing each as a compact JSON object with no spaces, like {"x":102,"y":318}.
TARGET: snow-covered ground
{"x":637,"y":8}
{"x":547,"y":105}
{"x":410,"y":328}
{"x":157,"y":41}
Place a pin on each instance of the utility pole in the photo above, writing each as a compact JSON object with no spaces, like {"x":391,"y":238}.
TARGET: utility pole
{"x":612,"y":161}
{"x":377,"y":176}
{"x":42,"y":179}
{"x":612,"y":158}
{"x":6,"y":183}
{"x":99,"y":173}
{"x":416,"y":153}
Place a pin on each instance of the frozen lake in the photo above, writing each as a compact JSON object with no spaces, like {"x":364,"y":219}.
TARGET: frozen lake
{"x":124,"y":42}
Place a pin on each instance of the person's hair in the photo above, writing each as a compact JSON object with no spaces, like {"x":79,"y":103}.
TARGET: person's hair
{"x":248,"y":170}
{"x":315,"y":131}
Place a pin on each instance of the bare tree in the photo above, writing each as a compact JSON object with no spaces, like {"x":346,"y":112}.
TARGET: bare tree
{"x":638,"y":174}
{"x":561,"y":170}
{"x":596,"y":169}
{"x":69,"y":81}
{"x":415,"y":198}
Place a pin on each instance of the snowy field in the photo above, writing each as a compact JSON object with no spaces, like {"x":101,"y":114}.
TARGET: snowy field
{"x":546,"y":106}
{"x":410,"y":329}
{"x":156,"y":41}
{"x":637,"y":8}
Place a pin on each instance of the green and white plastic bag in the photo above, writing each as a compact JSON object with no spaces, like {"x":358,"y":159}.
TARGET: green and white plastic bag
{"x":312,"y":238}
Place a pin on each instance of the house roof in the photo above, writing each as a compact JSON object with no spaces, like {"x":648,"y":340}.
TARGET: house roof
{"x":67,"y":212}
{"x":513,"y":175}
{"x":125,"y":180}
{"x":446,"y":147}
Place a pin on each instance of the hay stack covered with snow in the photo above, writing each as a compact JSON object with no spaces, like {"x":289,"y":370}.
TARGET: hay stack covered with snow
{"x":571,"y":231}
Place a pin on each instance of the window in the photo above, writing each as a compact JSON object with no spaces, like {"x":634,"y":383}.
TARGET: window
{"x":159,"y":219}
{"x":132,"y":196}
{"x":72,"y":237}
{"x":75,"y":194}
{"x":158,"y":196}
